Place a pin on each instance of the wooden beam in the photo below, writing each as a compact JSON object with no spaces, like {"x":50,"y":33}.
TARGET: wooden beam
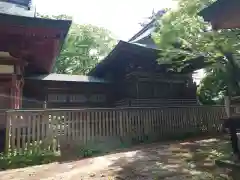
{"x":30,"y":31}
{"x":12,"y":61}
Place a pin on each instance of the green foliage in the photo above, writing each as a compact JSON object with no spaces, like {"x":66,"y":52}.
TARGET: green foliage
{"x":58,"y":17}
{"x":11,"y":161}
{"x":182,"y":33}
{"x":88,"y":152}
{"x":212,"y":88}
{"x":185,"y":27}
{"x":84,"y":47}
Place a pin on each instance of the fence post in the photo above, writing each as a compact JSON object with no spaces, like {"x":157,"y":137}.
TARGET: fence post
{"x":121,"y":123}
{"x":8,"y":126}
{"x":45,"y":130}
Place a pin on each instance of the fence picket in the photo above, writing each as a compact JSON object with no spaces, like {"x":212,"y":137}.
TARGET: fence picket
{"x":24,"y":134}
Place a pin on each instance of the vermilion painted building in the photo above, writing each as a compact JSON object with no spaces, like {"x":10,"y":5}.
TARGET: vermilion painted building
{"x":28,"y":46}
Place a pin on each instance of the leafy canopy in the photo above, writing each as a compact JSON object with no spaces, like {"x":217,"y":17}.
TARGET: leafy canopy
{"x":84,"y":47}
{"x":195,"y":38}
{"x":212,"y":87}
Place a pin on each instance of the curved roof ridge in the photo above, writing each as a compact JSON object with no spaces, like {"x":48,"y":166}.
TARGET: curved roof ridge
{"x":147,"y":27}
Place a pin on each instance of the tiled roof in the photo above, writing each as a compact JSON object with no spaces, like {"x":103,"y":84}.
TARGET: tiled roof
{"x":67,"y":78}
{"x":25,"y":3}
{"x":143,"y":37}
{"x":24,"y":21}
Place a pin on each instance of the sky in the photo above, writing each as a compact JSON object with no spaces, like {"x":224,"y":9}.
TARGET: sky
{"x":122,"y":18}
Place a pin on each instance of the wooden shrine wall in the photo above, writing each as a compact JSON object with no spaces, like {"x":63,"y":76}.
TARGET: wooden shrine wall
{"x":149,"y":86}
{"x":58,"y":94}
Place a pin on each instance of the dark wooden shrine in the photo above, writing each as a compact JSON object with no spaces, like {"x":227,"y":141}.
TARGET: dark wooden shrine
{"x":129,"y":76}
{"x":138,"y":78}
{"x":66,"y":91}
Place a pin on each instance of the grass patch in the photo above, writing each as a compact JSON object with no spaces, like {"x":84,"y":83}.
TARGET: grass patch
{"x":15,"y":160}
{"x":12,"y":161}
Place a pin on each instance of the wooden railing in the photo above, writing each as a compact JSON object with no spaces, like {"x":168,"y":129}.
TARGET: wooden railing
{"x":155,"y":102}
{"x":58,"y":129}
{"x":158,"y":76}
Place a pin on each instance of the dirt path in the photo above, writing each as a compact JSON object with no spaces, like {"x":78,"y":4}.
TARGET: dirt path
{"x":175,"y":161}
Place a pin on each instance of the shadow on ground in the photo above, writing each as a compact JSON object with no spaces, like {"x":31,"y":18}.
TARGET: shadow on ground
{"x":177,"y":160}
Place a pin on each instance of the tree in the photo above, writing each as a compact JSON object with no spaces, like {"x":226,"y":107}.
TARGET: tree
{"x":58,"y":17}
{"x":212,"y":87}
{"x":84,"y":47}
{"x":183,"y":35}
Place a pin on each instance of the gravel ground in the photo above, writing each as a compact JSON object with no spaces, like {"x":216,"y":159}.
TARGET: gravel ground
{"x":167,"y":161}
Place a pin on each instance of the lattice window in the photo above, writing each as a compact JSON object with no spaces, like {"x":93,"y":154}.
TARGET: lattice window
{"x":78,"y":98}
{"x":98,"y":98}
{"x":57,"y":97}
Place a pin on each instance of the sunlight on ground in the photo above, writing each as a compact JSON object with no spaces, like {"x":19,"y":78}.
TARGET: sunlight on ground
{"x":189,"y":160}
{"x":173,"y":161}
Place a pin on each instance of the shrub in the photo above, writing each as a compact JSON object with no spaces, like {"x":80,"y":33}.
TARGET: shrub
{"x":11,"y":161}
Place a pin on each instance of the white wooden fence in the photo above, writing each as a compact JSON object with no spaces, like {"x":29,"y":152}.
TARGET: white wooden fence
{"x":55,"y":129}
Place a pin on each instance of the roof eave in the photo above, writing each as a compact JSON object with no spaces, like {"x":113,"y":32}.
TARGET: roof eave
{"x":61,"y":26}
{"x":34,"y":21}
{"x":66,"y":78}
{"x":106,"y":59}
{"x":217,"y":9}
